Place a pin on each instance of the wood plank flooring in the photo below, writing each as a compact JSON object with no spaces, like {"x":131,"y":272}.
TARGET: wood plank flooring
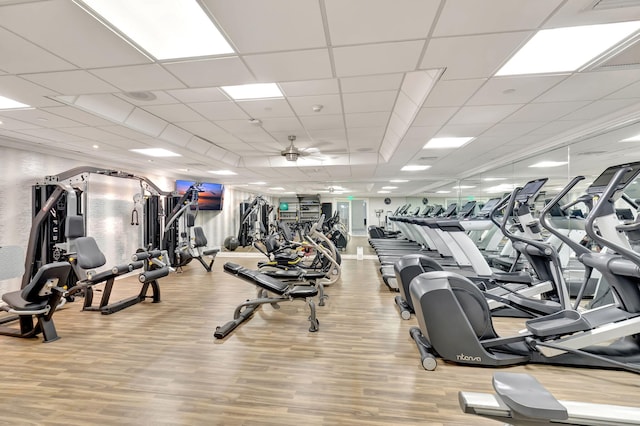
{"x":158,"y":364}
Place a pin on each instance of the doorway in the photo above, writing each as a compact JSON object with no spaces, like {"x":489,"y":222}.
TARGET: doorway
{"x":353,"y":214}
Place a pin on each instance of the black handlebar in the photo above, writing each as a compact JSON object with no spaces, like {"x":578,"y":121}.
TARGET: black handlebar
{"x":598,"y":210}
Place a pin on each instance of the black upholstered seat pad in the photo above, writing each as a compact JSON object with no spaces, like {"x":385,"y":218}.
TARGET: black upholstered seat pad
{"x":15,"y":301}
{"x":269,"y":283}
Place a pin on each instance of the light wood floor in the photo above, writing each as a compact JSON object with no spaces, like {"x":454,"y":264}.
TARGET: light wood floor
{"x":158,"y":364}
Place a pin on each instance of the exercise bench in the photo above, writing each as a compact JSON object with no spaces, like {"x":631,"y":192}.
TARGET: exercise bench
{"x":36,"y":303}
{"x":266,"y":284}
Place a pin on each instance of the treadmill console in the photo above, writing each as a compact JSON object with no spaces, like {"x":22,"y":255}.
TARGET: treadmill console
{"x":451,"y":210}
{"x":488,"y":206}
{"x":529,"y":191}
{"x":598,"y":186}
{"x":467,"y":209}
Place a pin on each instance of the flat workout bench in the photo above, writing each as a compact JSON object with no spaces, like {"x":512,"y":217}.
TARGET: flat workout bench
{"x":266,"y":285}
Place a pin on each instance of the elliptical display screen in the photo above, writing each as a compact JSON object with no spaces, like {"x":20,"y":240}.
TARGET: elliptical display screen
{"x":530,"y":190}
{"x":598,"y":186}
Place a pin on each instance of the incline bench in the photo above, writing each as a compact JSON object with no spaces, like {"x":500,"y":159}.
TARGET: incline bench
{"x":266,"y":284}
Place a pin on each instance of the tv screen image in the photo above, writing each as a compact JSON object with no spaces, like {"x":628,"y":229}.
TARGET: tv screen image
{"x":210,"y":195}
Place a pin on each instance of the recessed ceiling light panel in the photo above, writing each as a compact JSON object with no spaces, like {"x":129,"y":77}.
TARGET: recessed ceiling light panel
{"x":444,"y":143}
{"x":566,"y":49}
{"x":414,"y":168}
{"x":635,"y":138}
{"x":222,"y":172}
{"x":549,"y":164}
{"x":6,"y":103}
{"x":167,"y":29}
{"x":156,"y":152}
{"x":253,"y":91}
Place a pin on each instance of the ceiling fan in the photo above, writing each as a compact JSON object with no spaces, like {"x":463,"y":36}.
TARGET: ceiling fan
{"x":292,"y":153}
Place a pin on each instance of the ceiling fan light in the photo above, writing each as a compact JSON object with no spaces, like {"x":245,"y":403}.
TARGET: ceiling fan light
{"x":291,"y":156}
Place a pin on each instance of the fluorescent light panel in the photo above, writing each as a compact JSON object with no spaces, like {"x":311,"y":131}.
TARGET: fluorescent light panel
{"x":223,"y":172}
{"x":443,"y":192}
{"x":389,"y":187}
{"x":156,"y":152}
{"x":257,"y":183}
{"x":384,"y":192}
{"x":398,"y":181}
{"x":443,"y":143}
{"x":167,"y":29}
{"x":6,"y":103}
{"x":464,"y":187}
{"x":549,"y":164}
{"x":566,"y":49}
{"x":635,"y":138}
{"x":253,"y":91}
{"x":414,"y":168}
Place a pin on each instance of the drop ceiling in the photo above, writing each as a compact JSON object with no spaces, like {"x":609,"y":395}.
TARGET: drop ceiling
{"x":346,"y":69}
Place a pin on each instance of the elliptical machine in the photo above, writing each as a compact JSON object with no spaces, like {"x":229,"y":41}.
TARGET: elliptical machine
{"x":606,"y":337}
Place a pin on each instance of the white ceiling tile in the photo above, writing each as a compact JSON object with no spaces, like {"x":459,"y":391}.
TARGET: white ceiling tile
{"x":434,"y":116}
{"x":303,"y":105}
{"x":90,"y":133}
{"x":53,"y":135}
{"x":322,"y":121}
{"x":238,"y":126}
{"x":556,"y":127}
{"x":145,"y":122}
{"x":282,"y":124}
{"x":139,"y":78}
{"x":513,"y":90}
{"x":463,"y":130}
{"x":290,"y":66}
{"x":452,"y":93}
{"x":127,"y":132}
{"x":219,"y":110}
{"x":365,"y":137}
{"x":371,"y":83}
{"x":77,"y":115}
{"x":367,"y":119}
{"x":581,"y":12}
{"x":13,"y":124}
{"x":26,"y":92}
{"x":631,"y":91}
{"x":203,"y":94}
{"x":370,"y":21}
{"x":71,"y":82}
{"x":591,"y":85}
{"x":175,"y":135}
{"x":205,"y":129}
{"x":328,"y":139}
{"x":601,"y":108}
{"x":211,"y":72}
{"x":310,"y":88}
{"x":471,"y":17}
{"x":483,"y":114}
{"x":510,"y":130}
{"x":145,"y":98}
{"x":107,"y":106}
{"x":369,"y":101}
{"x":380,"y":58}
{"x":275,"y":25}
{"x":547,"y":111}
{"x":40,"y":118}
{"x":19,"y":56}
{"x":475,"y":56}
{"x":266,"y":108}
{"x":424,"y":133}
{"x":65,"y":30}
{"x":174,"y":112}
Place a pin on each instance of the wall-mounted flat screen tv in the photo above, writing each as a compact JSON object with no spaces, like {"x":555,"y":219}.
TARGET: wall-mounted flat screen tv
{"x":210,"y":195}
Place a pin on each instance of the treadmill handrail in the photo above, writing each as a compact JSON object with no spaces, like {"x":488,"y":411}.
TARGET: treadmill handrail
{"x":605,"y":199}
